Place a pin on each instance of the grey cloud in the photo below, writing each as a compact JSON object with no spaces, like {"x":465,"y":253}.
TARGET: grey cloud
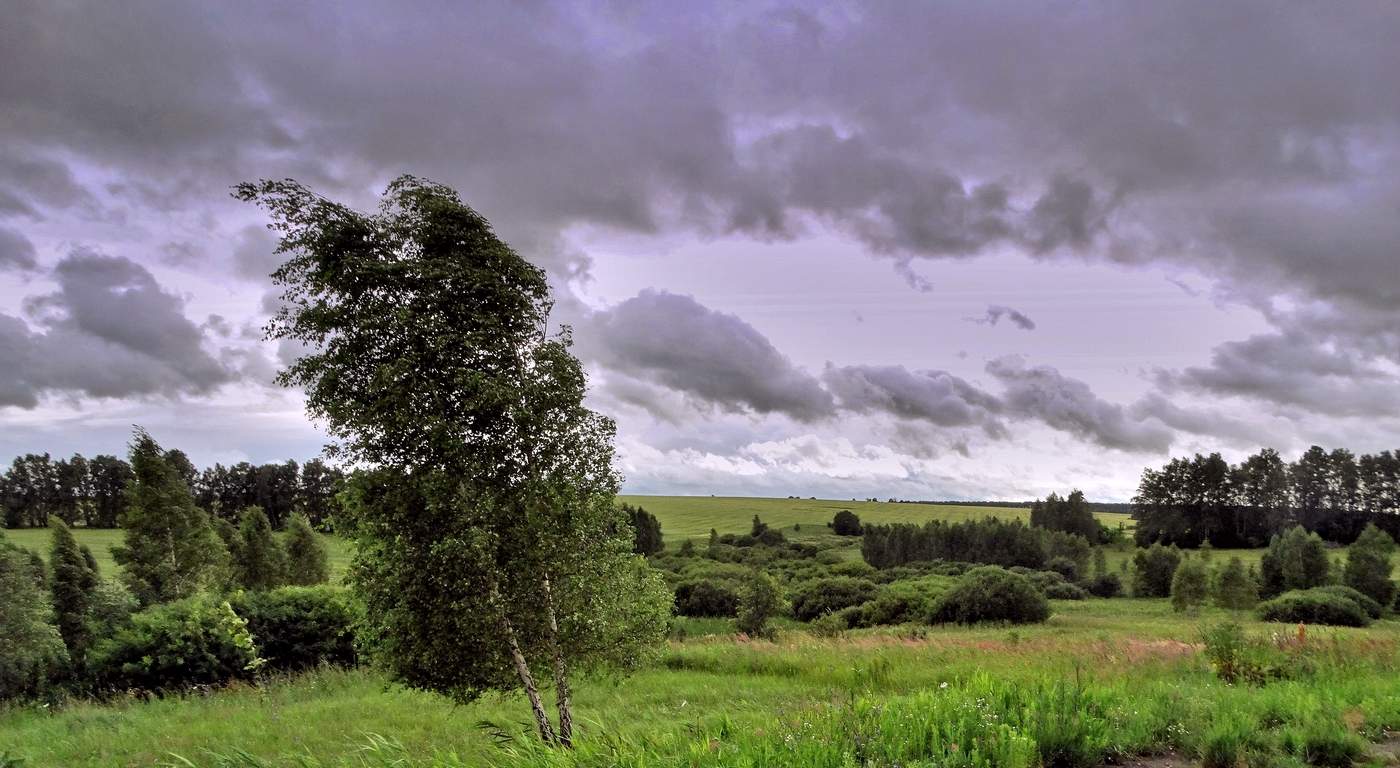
{"x":1206,"y":422}
{"x":936,"y":397}
{"x":714,"y":357}
{"x":33,"y":182}
{"x":1293,"y":369}
{"x":995,"y":312}
{"x":255,"y":255}
{"x":109,"y":331}
{"x":16,"y":252}
{"x":1067,"y":404}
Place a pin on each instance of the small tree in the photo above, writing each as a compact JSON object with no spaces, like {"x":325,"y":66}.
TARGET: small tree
{"x":845,"y":523}
{"x":31,"y":648}
{"x":1235,"y":589}
{"x":1153,"y":570}
{"x":1368,"y":565}
{"x":1190,"y":585}
{"x":169,"y":548}
{"x":261,"y":563}
{"x":1100,"y":563}
{"x":72,"y":585}
{"x":306,"y":554}
{"x":759,"y":527}
{"x":758,"y":602}
{"x":646,"y":531}
{"x":1296,"y":560}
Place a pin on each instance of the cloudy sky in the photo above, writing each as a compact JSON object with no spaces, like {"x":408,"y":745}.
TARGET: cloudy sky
{"x":954,"y":250}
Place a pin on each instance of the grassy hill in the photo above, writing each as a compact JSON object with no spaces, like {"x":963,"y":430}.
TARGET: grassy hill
{"x":693,"y":516}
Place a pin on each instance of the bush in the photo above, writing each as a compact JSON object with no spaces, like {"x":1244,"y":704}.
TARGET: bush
{"x":1368,"y":565}
{"x":1105,"y":585}
{"x":1065,"y":567}
{"x":296,"y":628}
{"x":1234,"y":588}
{"x":1314,"y":606}
{"x":829,"y":596}
{"x":845,"y":523}
{"x":900,"y":602}
{"x":307,"y":563}
{"x":1296,"y":560}
{"x":758,"y":602}
{"x":1065,"y":591}
{"x":1153,"y":570}
{"x":829,"y":625}
{"x":174,"y":646}
{"x":1324,"y":745}
{"x":990,"y":593}
{"x":1371,"y":607}
{"x":1190,"y":585}
{"x":707,"y":597}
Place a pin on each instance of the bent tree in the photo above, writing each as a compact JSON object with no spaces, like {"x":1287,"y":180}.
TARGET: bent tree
{"x":488,"y":545}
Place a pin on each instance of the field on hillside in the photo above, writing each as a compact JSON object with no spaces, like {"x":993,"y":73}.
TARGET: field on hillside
{"x":693,"y":516}
{"x":1133,"y":666}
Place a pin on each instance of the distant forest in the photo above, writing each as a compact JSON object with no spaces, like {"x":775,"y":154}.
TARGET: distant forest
{"x":1193,"y":500}
{"x":89,"y":492}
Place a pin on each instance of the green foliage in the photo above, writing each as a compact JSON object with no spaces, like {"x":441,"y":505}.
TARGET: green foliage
{"x":1105,"y":585}
{"x":170,"y":550}
{"x":307,"y":562}
{"x":1233,"y":588}
{"x":829,"y":625}
{"x":1064,"y":590}
{"x":32,"y":652}
{"x":1319,"y":745}
{"x":646,"y":531}
{"x":72,"y":584}
{"x":173,"y":646}
{"x":759,"y":602}
{"x":296,"y":628}
{"x":1190,"y":585}
{"x":991,"y":594}
{"x":1070,"y":514}
{"x":1153,"y":570}
{"x":1238,"y":658}
{"x":1314,"y":606}
{"x":1371,"y":607}
{"x":830,"y":595}
{"x":488,"y":540}
{"x":1063,"y":566}
{"x":845,"y":523}
{"x":707,"y":598}
{"x":1296,"y":560}
{"x":1368,"y":565}
{"x":261,"y":563}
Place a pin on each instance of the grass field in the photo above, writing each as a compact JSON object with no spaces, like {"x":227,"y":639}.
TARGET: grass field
{"x":693,"y":516}
{"x":1138,"y":658}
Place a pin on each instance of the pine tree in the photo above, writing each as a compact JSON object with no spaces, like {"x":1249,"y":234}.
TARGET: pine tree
{"x":261,"y":563}
{"x":72,"y":586}
{"x":1100,"y":563}
{"x":306,"y":554}
{"x":1190,"y":585}
{"x":31,"y":649}
{"x":169,"y":549}
{"x":1235,"y":588}
{"x":1368,"y":565}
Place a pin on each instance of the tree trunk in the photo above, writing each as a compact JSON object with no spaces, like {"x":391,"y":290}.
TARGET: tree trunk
{"x":527,"y":680}
{"x":561,"y":673}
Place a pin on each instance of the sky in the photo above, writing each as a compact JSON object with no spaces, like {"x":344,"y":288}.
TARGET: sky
{"x":976,"y":250}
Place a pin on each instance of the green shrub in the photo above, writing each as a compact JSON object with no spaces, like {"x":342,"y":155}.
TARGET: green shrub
{"x":829,"y":625}
{"x":31,"y":649}
{"x":707,"y":597}
{"x":296,"y":628}
{"x":1237,"y":658}
{"x":1065,"y":591}
{"x":1371,"y":607}
{"x":1296,"y":560}
{"x":1325,"y":745}
{"x":1368,"y":565}
{"x":845,"y":523}
{"x":758,"y":602}
{"x":1105,"y":585}
{"x":990,"y":593}
{"x":1314,"y":606}
{"x":1065,"y":567}
{"x":1153,"y":570}
{"x":829,"y":596}
{"x":901,"y":602}
{"x":1234,"y":589}
{"x":1190,"y":585}
{"x":174,"y":646}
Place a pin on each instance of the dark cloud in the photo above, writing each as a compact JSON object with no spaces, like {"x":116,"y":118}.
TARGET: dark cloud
{"x":109,"y":331}
{"x":995,"y":312}
{"x":255,"y":255}
{"x":936,"y":397}
{"x":16,"y":252}
{"x":714,"y":357}
{"x":1206,"y":422}
{"x":33,"y":183}
{"x":1067,"y":404}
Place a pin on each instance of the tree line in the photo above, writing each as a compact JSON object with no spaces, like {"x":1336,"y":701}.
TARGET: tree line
{"x":91,"y":492}
{"x":1336,"y":494}
{"x":991,"y":540}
